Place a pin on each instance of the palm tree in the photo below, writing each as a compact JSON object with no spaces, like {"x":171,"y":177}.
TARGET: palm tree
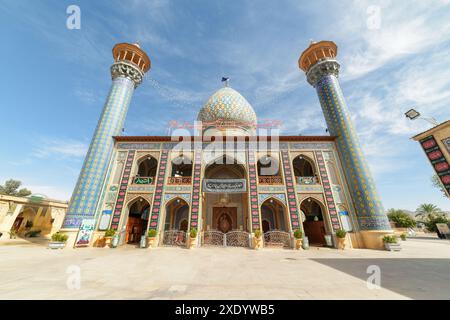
{"x":426,"y":211}
{"x":429,"y":214}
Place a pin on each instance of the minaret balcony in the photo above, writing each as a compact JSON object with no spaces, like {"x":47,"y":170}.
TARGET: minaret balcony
{"x":179,"y":180}
{"x":143,"y":180}
{"x":307,"y":180}
{"x":270,"y":180}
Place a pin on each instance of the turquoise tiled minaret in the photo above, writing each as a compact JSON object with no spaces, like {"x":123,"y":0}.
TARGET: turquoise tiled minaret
{"x":127,"y":73}
{"x":322,"y":71}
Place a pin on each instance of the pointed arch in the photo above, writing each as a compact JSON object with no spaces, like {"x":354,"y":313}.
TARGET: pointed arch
{"x":225,"y":167}
{"x":305,"y":170}
{"x":315,"y":220}
{"x":176,"y":212}
{"x":268,"y":165}
{"x":147,"y":166}
{"x":274,"y":215}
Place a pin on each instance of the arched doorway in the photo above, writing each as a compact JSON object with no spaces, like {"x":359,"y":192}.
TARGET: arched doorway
{"x":313,"y":224}
{"x":225,"y":211}
{"x":137,"y":221}
{"x":274,"y":223}
{"x":176,"y":222}
{"x":177,"y":215}
{"x":272,"y":211}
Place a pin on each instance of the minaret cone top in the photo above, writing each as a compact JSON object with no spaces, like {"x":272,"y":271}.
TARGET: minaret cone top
{"x":132,"y":53}
{"x":316,"y":52}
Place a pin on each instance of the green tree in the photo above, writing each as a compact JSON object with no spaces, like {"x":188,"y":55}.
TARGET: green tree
{"x":430,"y":214}
{"x":436,"y":181}
{"x":401,"y":218}
{"x":11,"y":187}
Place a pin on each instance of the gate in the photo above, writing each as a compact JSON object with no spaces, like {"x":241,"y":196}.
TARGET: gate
{"x":236,"y":238}
{"x":174,"y":238}
{"x":277,"y":238}
{"x":213,"y":238}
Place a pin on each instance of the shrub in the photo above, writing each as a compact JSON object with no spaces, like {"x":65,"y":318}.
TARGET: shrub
{"x":193,"y":233}
{"x":258,"y":233}
{"x":59,"y":237}
{"x":401,"y":218}
{"x":431,"y":223}
{"x":298,"y":234}
{"x":390,"y":239}
{"x":152,"y":233}
{"x":341,"y":233}
{"x":110,"y":233}
{"x":403,"y":236}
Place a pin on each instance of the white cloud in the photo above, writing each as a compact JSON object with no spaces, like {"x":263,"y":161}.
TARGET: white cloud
{"x":60,"y":148}
{"x":52,"y":192}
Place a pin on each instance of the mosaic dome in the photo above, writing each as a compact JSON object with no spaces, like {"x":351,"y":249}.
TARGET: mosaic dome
{"x":227,"y":104}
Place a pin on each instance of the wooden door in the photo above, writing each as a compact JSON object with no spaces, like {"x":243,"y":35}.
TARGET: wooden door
{"x":224,"y":219}
{"x":315,"y":231}
{"x":17,"y":223}
{"x":134,"y":230}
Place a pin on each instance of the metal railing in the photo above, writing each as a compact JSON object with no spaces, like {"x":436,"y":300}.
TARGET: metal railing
{"x":270,"y":180}
{"x":179,"y":180}
{"x":277,"y":238}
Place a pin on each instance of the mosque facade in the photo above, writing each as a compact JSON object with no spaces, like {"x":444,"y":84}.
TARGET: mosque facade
{"x":225,"y":179}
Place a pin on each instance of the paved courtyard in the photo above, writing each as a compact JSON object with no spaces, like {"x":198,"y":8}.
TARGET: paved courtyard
{"x":31,"y":271}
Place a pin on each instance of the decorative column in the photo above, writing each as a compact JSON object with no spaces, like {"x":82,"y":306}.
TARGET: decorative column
{"x":322,"y":71}
{"x":127,"y":73}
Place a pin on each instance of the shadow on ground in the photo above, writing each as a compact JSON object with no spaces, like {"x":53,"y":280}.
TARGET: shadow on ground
{"x":413,"y":278}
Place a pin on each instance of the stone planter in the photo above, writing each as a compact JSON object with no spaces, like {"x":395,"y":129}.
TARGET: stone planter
{"x":115,"y":241}
{"x":328,"y":240}
{"x":342,"y":242}
{"x":298,"y":244}
{"x":192,"y":242}
{"x":56,"y":245}
{"x":151,"y":242}
{"x":393,"y":246}
{"x":305,"y":244}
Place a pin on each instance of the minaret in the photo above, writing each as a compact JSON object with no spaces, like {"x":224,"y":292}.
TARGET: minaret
{"x":127,"y":72}
{"x":322,"y":71}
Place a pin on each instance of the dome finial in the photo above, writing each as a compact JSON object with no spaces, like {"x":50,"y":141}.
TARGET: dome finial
{"x":226,"y":81}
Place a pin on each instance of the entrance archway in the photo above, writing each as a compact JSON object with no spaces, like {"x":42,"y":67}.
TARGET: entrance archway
{"x":176,"y":222}
{"x":275,"y":224}
{"x":137,"y":221}
{"x":314,"y":224}
{"x":225,"y":211}
{"x":273,"y":213}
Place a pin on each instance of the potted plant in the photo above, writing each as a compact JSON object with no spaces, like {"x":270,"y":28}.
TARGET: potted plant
{"x":58,"y":241}
{"x":151,"y":234}
{"x":193,"y":238}
{"x":108,"y":236}
{"x":258,"y":239}
{"x":341,"y":236}
{"x":391,"y":243}
{"x":403,"y":236}
{"x":298,"y":239}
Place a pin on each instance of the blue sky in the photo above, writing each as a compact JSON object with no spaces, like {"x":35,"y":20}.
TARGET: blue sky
{"x":55,"y":80}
